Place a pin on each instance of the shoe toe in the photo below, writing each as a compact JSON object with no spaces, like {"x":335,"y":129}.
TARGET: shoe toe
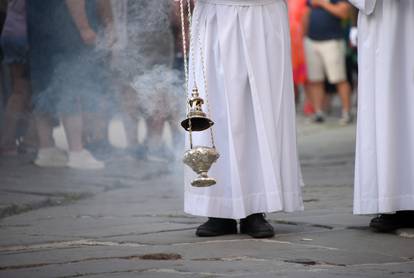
{"x":385,"y":223}
{"x":256,"y":226}
{"x":217,"y":227}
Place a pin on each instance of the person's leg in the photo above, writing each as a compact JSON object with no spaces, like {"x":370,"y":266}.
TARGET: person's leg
{"x":73,"y":125}
{"x":317,"y":92}
{"x":316,"y":76}
{"x":44,"y":127}
{"x":79,"y":158}
{"x":308,"y":108}
{"x":95,"y":133}
{"x":154,"y":132}
{"x":131,"y":129}
{"x":130,"y":115}
{"x":344,"y":91}
{"x":30,"y":140}
{"x":334,"y":60}
{"x":48,"y":155}
{"x":16,"y":105}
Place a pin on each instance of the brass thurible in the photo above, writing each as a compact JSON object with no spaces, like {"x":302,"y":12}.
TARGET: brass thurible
{"x":198,"y":158}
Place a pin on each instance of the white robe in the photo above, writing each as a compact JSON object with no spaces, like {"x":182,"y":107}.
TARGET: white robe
{"x":246,"y":49}
{"x":384,"y":170}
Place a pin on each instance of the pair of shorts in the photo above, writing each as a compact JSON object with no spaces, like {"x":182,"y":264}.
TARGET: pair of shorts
{"x":15,"y":50}
{"x":325,"y":60}
{"x":68,"y":83}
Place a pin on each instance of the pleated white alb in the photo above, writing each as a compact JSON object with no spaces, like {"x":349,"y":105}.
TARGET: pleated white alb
{"x":246,"y":49}
{"x":384,"y":168}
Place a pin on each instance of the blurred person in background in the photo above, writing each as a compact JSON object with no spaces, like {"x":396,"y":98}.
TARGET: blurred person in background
{"x":384,"y":179}
{"x":3,"y":94}
{"x":178,"y":64}
{"x":96,"y":121}
{"x":350,"y":61}
{"x":325,"y":54}
{"x":144,"y":60}
{"x":297,"y":10}
{"x":176,"y":30}
{"x":18,"y":105}
{"x":67,"y":73}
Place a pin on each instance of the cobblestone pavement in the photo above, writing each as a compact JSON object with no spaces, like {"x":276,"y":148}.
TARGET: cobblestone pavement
{"x":128,"y":221}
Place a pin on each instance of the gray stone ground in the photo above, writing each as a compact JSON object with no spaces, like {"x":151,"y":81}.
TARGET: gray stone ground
{"x":128,"y":221}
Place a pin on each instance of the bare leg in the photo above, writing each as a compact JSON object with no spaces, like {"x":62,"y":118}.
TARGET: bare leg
{"x":131,"y":129}
{"x":308,"y":108}
{"x":79,"y":158}
{"x":130,"y":111}
{"x":95,"y":127}
{"x":44,"y":131}
{"x":317,"y":92}
{"x":73,"y":125}
{"x":16,"y":105}
{"x":344,"y":90}
{"x":154,"y":133}
{"x":30,"y":138}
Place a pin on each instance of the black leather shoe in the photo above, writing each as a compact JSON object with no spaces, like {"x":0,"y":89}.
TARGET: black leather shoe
{"x":386,"y":223}
{"x":217,"y":227}
{"x":255,"y":225}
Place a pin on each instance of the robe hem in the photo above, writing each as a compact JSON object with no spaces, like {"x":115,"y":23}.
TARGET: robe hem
{"x":384,"y":205}
{"x":237,"y":208}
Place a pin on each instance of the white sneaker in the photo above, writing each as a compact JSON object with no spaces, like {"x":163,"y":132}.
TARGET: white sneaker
{"x":345,"y":119}
{"x":319,"y":117}
{"x":84,"y":160}
{"x":51,"y":157}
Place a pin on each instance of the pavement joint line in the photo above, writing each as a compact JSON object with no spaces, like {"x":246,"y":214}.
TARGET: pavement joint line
{"x":385,"y":264}
{"x":233,"y":259}
{"x":174,"y":271}
{"x":67,"y":244}
{"x":128,"y":257}
{"x":310,"y":262}
{"x":149,"y":233}
{"x":156,"y":270}
{"x":256,"y":240}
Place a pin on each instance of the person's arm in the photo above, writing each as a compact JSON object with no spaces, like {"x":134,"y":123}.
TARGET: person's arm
{"x":105,"y":13}
{"x":305,"y":21}
{"x":340,"y":9}
{"x":77,"y":11}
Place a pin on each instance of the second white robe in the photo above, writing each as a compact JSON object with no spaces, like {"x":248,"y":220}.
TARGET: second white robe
{"x":384,"y":170}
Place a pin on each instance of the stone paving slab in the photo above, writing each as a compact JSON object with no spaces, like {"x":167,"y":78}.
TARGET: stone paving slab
{"x":203,"y":260}
{"x":107,"y":222}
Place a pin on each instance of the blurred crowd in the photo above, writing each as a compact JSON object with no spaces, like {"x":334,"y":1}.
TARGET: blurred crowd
{"x":324,"y":55}
{"x":77,"y":64}
{"x":80,"y":63}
